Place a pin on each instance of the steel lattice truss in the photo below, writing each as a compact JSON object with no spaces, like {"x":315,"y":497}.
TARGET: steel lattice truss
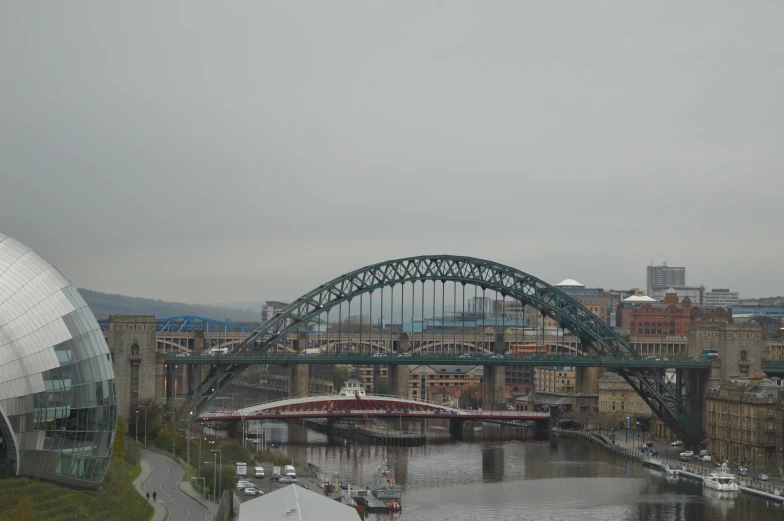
{"x":509,"y":282}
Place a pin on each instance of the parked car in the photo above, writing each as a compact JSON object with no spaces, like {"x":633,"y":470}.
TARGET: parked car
{"x":742,"y":471}
{"x":244,"y":484}
{"x":687,"y":454}
{"x":285,"y":480}
{"x":762,"y":477}
{"x":252,"y":491}
{"x":676,"y":443}
{"x":275,"y":476}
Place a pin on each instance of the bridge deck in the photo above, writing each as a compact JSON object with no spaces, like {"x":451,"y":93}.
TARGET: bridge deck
{"x":439,"y":359}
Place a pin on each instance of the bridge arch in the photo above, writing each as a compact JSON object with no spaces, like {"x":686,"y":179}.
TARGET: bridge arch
{"x":592,"y":332}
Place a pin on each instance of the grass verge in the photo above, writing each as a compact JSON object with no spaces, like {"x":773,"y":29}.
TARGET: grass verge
{"x":25,"y":499}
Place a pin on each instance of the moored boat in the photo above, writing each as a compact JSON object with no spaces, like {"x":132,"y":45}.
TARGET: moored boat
{"x":383,"y":485}
{"x":721,"y":479}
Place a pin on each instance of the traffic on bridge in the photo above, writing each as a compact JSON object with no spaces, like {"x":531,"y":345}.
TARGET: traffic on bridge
{"x":382,"y":358}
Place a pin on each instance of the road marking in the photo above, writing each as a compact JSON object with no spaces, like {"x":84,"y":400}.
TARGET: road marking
{"x":163,"y":491}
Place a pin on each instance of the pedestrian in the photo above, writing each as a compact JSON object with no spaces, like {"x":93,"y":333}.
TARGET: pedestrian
{"x":148,"y":496}
{"x":154,"y":496}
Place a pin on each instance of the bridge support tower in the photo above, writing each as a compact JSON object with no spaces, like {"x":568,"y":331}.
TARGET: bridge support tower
{"x":398,"y":380}
{"x":587,"y":379}
{"x":495,"y":379}
{"x":299,"y":374}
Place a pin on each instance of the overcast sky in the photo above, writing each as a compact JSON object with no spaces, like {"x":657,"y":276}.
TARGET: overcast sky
{"x":229,"y":151}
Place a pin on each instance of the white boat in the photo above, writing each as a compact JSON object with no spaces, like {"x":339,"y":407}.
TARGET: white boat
{"x":672,"y":470}
{"x":721,"y":479}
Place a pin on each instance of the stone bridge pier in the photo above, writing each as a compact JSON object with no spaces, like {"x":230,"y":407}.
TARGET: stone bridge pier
{"x":398,"y":380}
{"x":495,"y":379}
{"x":299,"y":374}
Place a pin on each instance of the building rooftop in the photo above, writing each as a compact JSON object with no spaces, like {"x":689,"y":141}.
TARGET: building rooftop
{"x":643,"y":298}
{"x":296,"y":503}
{"x":570,"y":283}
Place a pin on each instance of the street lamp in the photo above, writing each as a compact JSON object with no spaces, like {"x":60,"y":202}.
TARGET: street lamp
{"x":173,"y":431}
{"x":136,"y":428}
{"x":203,"y":487}
{"x":220,"y":476}
{"x":145,"y":421}
{"x":214,"y":474}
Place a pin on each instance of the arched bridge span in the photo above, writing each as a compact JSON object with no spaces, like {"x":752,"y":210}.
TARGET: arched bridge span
{"x":664,"y":398}
{"x":340,"y":406}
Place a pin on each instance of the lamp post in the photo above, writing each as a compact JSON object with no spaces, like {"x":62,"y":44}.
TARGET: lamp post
{"x":203,"y":496}
{"x":173,"y":431}
{"x":220,"y":476}
{"x":136,"y":428}
{"x":214,"y":474}
{"x":145,"y":422}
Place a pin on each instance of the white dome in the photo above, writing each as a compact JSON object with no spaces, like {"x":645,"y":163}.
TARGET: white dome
{"x":570,"y":282}
{"x":643,"y":298}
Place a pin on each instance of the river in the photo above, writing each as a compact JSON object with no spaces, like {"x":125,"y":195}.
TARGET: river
{"x":508,"y":479}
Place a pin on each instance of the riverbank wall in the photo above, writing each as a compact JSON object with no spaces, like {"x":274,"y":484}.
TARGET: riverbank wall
{"x":759,"y":489}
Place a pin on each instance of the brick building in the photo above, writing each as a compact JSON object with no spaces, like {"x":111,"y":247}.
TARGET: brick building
{"x":425,"y":381}
{"x":662,"y":328}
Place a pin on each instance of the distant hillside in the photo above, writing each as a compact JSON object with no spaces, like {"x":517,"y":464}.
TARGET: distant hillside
{"x":105,"y":304}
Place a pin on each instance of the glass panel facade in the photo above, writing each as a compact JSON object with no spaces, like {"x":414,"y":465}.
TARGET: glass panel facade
{"x":57,"y":386}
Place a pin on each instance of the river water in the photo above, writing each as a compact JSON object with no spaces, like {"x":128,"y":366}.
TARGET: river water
{"x":509,"y":479}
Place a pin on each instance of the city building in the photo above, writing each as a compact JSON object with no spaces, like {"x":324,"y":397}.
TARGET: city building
{"x":662,"y":328}
{"x":555,"y":379}
{"x":481,"y":306}
{"x":624,"y":308}
{"x":741,"y":421}
{"x":618,"y":401}
{"x":367,"y":374}
{"x":616,"y":397}
{"x":522,"y":377}
{"x":596,"y":300}
{"x":722,"y":298}
{"x":739,"y":348}
{"x":424,"y":379}
{"x":271,"y":308}
{"x":664,"y":276}
{"x":694,"y":293}
{"x":543,"y":401}
{"x":58,"y":409}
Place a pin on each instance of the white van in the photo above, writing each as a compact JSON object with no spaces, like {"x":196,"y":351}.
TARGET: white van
{"x":258,"y":472}
{"x":290,"y":472}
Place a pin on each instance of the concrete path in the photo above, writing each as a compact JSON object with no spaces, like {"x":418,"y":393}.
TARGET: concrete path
{"x":176,"y":499}
{"x":140,"y":482}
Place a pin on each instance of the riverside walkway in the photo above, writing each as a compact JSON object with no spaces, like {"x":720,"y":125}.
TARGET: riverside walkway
{"x":693,"y":469}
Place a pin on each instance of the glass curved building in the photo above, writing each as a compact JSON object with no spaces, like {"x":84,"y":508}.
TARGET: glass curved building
{"x":58,"y":409}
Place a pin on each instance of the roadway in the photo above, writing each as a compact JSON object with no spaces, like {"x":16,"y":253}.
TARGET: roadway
{"x":278,"y":358}
{"x":165,"y":478}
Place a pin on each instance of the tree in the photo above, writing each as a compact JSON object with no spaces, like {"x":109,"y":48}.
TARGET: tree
{"x":339,"y":376}
{"x":470,"y":396}
{"x":381,"y":385}
{"x":153,"y":418}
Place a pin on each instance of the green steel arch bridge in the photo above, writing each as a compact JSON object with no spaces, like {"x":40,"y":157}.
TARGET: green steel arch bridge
{"x":676,"y":402}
